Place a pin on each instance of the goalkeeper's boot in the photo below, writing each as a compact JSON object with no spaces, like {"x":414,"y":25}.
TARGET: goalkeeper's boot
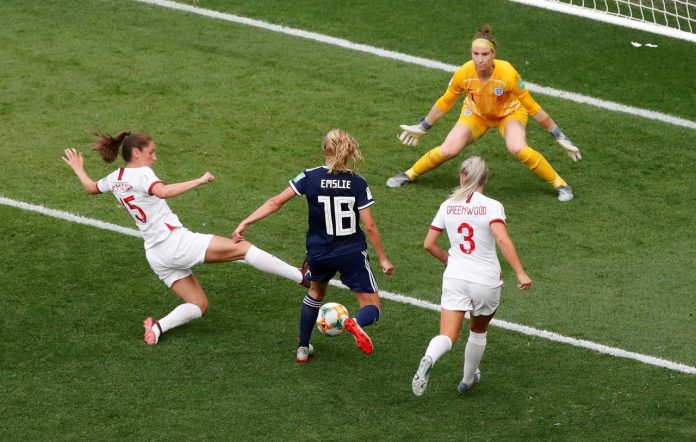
{"x":463,"y":387}
{"x":420,"y":379}
{"x":565,"y":193}
{"x":151,"y":336}
{"x":398,"y":180}
{"x":304,"y":269}
{"x":361,"y":338}
{"x":303,"y":354}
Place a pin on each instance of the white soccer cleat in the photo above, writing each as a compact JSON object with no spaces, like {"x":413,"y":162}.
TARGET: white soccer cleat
{"x":565,"y":193}
{"x":420,"y":379}
{"x":303,"y":354}
{"x":398,"y":180}
{"x":464,"y":387}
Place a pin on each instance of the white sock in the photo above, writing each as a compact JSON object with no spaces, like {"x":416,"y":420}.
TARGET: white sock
{"x":180,"y":315}
{"x":268,"y":263}
{"x":473,"y":353}
{"x":438,"y":346}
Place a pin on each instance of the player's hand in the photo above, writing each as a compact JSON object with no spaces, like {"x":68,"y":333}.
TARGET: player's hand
{"x":525,"y":282}
{"x":565,"y":142}
{"x":412,"y":134}
{"x":570,"y":147}
{"x":206,"y":178}
{"x":238,"y":234}
{"x":387,"y":266}
{"x":73,"y":158}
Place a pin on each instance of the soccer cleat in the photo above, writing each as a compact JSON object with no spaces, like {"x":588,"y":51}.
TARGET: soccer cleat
{"x":463,"y":387}
{"x":565,"y":193}
{"x":420,"y":379}
{"x":304,"y":269}
{"x":361,"y":338}
{"x":398,"y":180}
{"x":303,"y":354}
{"x":151,"y":337}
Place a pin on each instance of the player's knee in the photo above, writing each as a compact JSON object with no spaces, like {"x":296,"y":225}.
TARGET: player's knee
{"x":202,"y":304}
{"x":515,"y":148}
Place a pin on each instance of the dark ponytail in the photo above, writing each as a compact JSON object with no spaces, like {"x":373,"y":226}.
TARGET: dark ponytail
{"x":107,"y":146}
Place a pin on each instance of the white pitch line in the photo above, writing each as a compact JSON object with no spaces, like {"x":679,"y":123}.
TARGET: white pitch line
{"x":432,"y":64}
{"x":645,"y":359}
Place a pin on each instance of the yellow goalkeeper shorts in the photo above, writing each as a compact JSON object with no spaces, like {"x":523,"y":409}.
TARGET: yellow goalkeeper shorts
{"x":479,"y":125}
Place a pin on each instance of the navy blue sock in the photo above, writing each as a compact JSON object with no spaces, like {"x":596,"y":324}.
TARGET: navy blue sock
{"x":308,"y":318}
{"x":367,"y":315}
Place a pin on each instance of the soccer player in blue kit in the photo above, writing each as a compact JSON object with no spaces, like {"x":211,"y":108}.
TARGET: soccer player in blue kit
{"x":338,"y":201}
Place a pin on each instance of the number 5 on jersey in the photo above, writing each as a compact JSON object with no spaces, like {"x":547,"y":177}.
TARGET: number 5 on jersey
{"x":128,"y":204}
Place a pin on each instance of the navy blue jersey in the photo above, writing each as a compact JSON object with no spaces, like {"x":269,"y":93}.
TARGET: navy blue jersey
{"x":334,"y":201}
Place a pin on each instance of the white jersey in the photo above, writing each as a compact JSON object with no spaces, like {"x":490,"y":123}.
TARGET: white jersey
{"x":132,"y":187}
{"x":472,"y":253}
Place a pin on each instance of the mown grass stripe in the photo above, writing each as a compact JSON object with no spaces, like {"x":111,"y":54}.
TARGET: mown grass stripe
{"x":433,"y":64}
{"x":612,"y":351}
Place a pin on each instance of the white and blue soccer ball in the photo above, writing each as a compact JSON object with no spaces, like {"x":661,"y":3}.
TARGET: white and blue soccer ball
{"x":331,"y":317}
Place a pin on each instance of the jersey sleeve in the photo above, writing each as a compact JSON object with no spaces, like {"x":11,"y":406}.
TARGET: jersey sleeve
{"x":439,"y":220}
{"x":497,"y":214}
{"x":453,"y":92}
{"x":103,"y":185}
{"x":149,"y":179}
{"x":364,"y":198}
{"x":299,"y":183}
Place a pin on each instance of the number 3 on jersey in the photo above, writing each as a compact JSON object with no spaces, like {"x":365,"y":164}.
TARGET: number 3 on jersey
{"x":468,"y":245}
{"x":343,"y":208}
{"x":128,"y":204}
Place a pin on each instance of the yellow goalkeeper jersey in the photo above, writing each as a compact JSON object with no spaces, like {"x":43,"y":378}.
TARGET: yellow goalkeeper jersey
{"x":501,"y":95}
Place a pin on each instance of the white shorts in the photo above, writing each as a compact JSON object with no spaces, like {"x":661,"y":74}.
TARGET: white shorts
{"x":173,"y":258}
{"x":461,"y":295}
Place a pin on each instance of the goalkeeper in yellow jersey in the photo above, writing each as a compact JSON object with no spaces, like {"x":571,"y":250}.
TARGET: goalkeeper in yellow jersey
{"x":495,"y":97}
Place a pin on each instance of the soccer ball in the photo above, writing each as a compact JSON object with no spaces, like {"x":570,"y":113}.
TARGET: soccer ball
{"x":331,"y":317}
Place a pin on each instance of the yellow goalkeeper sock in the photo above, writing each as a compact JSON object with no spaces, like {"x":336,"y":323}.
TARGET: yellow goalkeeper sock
{"x":541,"y":168}
{"x":431,"y":160}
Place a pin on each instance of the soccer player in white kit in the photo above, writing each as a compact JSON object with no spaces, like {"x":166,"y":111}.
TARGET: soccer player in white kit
{"x":472,"y":279}
{"x":170,"y":248}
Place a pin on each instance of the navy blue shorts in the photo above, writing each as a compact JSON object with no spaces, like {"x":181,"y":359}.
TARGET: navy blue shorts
{"x":355,"y":271}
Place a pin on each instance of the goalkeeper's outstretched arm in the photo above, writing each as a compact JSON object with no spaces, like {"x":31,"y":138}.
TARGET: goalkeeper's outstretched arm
{"x":412,"y":133}
{"x":551,"y":127}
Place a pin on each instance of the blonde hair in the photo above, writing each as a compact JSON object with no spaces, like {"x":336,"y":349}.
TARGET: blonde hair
{"x":341,"y":151}
{"x":473,"y":173}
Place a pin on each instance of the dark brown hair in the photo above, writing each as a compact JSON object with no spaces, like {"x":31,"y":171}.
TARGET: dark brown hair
{"x":485,"y":33}
{"x":107,"y":146}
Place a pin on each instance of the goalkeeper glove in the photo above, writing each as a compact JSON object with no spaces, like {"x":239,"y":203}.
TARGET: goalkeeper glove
{"x":412,"y":134}
{"x":565,"y":142}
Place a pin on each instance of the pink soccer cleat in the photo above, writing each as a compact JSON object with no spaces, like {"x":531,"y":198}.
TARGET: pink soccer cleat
{"x":151,"y":336}
{"x":361,"y":338}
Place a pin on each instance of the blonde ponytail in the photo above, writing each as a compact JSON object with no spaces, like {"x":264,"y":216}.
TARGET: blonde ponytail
{"x":341,"y":151}
{"x":473,"y":173}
